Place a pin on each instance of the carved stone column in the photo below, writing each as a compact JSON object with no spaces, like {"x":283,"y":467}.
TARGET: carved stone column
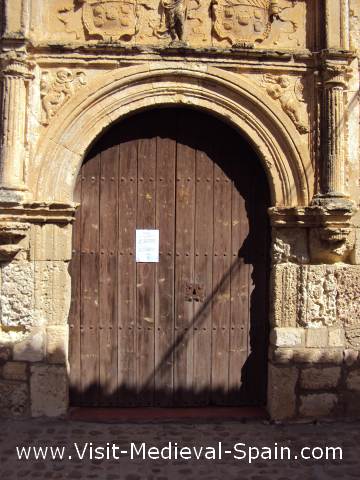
{"x":16,"y":72}
{"x":334,"y":141}
{"x":332,"y":181}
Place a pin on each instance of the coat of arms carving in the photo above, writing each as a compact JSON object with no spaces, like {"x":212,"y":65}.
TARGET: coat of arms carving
{"x":243,"y":21}
{"x":109,"y":19}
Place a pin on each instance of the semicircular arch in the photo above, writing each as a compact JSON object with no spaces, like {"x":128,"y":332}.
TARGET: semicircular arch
{"x":104,"y":101}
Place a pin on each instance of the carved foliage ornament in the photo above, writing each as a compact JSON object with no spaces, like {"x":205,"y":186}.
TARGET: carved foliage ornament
{"x":57,"y":88}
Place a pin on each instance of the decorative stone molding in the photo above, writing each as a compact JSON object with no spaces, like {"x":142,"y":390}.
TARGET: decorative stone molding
{"x":10,"y":235}
{"x":328,"y":230}
{"x":57,"y":89}
{"x":126,"y":90}
{"x":212,"y":22}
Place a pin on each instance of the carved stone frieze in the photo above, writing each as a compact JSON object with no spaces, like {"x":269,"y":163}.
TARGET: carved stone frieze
{"x":289,"y":93}
{"x":290,"y":245}
{"x":314,"y":296}
{"x":57,"y":88}
{"x":331,"y":245}
{"x":213,"y":22}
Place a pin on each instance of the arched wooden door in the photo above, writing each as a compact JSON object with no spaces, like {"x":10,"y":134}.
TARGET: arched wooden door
{"x":192,"y":328}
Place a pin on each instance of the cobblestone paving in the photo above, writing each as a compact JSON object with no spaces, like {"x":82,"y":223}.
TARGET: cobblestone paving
{"x":252,"y":433}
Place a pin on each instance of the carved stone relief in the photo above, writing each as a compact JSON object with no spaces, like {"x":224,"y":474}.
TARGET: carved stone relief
{"x":290,"y":245}
{"x":332,"y":245}
{"x":213,"y":22}
{"x":56,"y":89}
{"x":348,"y":280}
{"x":319,"y":294}
{"x":111,"y":20}
{"x":289,"y":93}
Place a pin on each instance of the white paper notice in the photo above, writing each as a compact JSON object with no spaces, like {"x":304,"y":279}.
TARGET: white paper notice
{"x":147,"y":246}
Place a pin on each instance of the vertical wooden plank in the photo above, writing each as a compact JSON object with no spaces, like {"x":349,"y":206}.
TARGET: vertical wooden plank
{"x":89,"y":281}
{"x":127,"y":207}
{"x":204,"y":212}
{"x":221,"y":275}
{"x":184,"y":265}
{"x":108,"y":273}
{"x":164,"y":289}
{"x":146,"y":271}
{"x":75,"y":311}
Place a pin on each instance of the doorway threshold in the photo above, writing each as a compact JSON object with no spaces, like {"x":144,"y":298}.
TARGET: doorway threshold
{"x":154,"y":414}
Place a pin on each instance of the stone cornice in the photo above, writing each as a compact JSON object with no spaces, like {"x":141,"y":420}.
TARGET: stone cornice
{"x":37,"y":212}
{"x":332,"y":215}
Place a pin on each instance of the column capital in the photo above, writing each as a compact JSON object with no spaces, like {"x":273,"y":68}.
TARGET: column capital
{"x":16,"y":64}
{"x":336,"y":74}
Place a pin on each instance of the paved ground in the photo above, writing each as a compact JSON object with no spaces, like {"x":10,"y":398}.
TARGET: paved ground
{"x":252,"y":433}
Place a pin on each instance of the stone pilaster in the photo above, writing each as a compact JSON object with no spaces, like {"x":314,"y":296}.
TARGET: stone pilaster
{"x":333,"y":149}
{"x":16,"y":72}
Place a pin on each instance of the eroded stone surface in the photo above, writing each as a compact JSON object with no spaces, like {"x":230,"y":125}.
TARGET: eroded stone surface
{"x":49,"y":390}
{"x":14,"y":399}
{"x":318,"y":404}
{"x":281,"y":386}
{"x":320,"y":378}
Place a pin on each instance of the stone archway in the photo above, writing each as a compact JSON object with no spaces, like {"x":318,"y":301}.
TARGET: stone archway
{"x":107,"y":99}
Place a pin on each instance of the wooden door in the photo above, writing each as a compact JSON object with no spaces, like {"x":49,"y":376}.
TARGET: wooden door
{"x":192,"y":328}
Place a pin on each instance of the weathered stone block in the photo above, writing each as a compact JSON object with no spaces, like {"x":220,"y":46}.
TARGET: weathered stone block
{"x":320,"y":378}
{"x":42,"y":242}
{"x":317,"y":337}
{"x":353,"y":380}
{"x":61,"y":293}
{"x":17,"y":295}
{"x":57,"y":343}
{"x":15,"y":371}
{"x":281,"y":392}
{"x":282,"y":355}
{"x":285,"y":293}
{"x":49,"y":390}
{"x":31,"y":349}
{"x":5,"y":354}
{"x":287,"y":337}
{"x":336,"y":337}
{"x":318,"y":404}
{"x":62,"y":243}
{"x":351,"y":401}
{"x":44,"y":290}
{"x":351,"y":357}
{"x":332,"y":356}
{"x":14,"y":399}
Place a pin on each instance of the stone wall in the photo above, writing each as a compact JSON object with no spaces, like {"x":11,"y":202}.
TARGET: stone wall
{"x":285,"y":73}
